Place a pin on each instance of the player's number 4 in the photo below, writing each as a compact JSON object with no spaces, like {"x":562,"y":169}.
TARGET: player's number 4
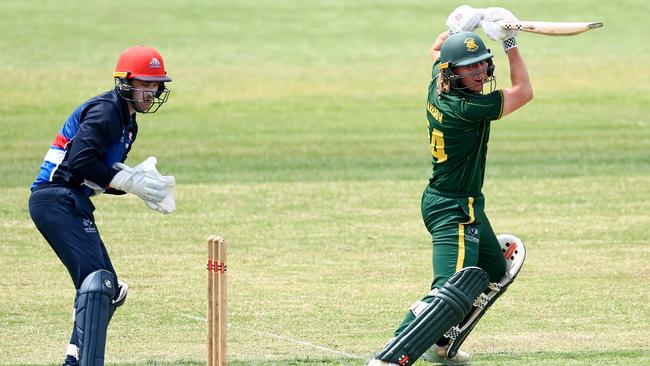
{"x":438,"y":146}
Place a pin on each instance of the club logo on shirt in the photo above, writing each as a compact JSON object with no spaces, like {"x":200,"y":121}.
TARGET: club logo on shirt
{"x":471,"y":44}
{"x":89,"y":226}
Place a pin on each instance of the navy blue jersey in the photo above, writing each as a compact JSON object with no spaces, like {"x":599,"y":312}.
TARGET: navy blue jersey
{"x":97,"y":134}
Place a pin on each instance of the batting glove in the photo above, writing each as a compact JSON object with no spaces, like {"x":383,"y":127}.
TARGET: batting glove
{"x":491,"y":27}
{"x":464,"y":18}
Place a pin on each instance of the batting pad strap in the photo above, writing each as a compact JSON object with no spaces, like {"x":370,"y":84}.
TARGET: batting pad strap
{"x":449,"y":306}
{"x":458,"y":333}
{"x":418,"y":307}
{"x":453,"y":332}
{"x":123,"y":290}
{"x":482,"y":301}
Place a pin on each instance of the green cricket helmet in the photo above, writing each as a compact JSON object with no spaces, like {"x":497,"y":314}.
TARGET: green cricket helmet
{"x":462,"y":49}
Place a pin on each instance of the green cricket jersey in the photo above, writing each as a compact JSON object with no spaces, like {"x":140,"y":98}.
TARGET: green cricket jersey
{"x":459,"y":130}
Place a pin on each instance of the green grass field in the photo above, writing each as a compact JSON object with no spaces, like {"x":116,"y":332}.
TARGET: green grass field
{"x":296,"y":130}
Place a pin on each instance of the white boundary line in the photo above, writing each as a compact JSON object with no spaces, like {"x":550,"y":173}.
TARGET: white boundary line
{"x":289,"y":339}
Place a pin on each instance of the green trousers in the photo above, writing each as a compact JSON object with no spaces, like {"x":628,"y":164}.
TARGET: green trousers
{"x":462,"y":236}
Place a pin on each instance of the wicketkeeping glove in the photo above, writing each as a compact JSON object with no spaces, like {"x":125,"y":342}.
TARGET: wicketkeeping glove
{"x":167,"y":205}
{"x":464,"y":18}
{"x":135,"y":181}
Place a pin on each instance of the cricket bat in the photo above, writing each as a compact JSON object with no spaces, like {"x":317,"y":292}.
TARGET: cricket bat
{"x":551,"y":28}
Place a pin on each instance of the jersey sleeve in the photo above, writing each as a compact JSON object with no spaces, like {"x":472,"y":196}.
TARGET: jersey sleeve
{"x":99,"y":127}
{"x":479,"y":108}
{"x":434,"y":70}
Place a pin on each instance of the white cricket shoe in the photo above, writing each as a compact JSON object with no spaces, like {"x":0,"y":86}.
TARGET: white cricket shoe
{"x":438,"y":355}
{"x":378,"y":362}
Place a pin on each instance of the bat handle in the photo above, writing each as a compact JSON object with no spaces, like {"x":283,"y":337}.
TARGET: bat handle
{"x":512,"y":26}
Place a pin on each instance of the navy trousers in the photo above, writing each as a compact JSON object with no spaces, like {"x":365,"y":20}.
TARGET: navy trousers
{"x":64,"y":216}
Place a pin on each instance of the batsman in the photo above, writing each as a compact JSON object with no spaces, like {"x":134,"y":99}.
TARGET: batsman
{"x":472,"y":267}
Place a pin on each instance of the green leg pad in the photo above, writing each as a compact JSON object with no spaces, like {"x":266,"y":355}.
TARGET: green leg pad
{"x":451,"y":304}
{"x":514,"y":251}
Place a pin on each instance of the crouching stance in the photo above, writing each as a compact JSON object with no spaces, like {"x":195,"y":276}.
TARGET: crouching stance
{"x":459,"y":116}
{"x":86,"y":159}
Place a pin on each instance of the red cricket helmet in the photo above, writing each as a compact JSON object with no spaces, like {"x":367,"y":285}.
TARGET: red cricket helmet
{"x":141,"y":63}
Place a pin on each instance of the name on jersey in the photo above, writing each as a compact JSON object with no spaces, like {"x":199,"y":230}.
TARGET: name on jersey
{"x":435,"y":113}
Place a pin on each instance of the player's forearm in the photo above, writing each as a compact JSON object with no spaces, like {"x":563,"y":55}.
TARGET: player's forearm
{"x":521,"y":92}
{"x":435,"y":48}
{"x":519,"y":75}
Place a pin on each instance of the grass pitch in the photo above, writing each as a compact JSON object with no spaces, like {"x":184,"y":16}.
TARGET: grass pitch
{"x":296,"y":130}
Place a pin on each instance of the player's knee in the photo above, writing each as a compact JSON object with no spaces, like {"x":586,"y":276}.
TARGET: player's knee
{"x":100,"y":281}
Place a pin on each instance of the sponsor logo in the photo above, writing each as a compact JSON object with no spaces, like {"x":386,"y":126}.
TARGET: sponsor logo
{"x":403,"y":360}
{"x":154,"y":63}
{"x":108,"y":283}
{"x":512,"y":249}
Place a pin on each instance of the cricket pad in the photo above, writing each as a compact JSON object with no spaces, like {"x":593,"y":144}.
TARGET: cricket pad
{"x":450,"y":306}
{"x":92,"y":312}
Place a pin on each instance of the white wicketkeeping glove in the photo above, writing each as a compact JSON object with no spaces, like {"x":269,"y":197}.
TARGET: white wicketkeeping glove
{"x":494,"y":31}
{"x":132,"y":180}
{"x":168,"y":205}
{"x":464,"y":18}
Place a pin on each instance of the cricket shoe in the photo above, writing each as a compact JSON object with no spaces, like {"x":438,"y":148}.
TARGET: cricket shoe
{"x":70,"y":361}
{"x":72,"y":356}
{"x":378,"y":362}
{"x":437,"y":354}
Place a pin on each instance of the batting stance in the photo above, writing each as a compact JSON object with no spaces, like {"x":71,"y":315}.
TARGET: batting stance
{"x":85,"y":159}
{"x":471,"y":265}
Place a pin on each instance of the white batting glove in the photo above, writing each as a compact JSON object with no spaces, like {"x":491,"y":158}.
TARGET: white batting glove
{"x":494,"y":31}
{"x":135,"y":181}
{"x":464,"y":18}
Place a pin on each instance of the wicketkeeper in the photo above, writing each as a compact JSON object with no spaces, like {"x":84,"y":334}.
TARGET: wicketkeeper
{"x":471,"y":266}
{"x":86,"y":159}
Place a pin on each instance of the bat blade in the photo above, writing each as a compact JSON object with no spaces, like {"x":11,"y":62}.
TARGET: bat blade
{"x":551,"y":28}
